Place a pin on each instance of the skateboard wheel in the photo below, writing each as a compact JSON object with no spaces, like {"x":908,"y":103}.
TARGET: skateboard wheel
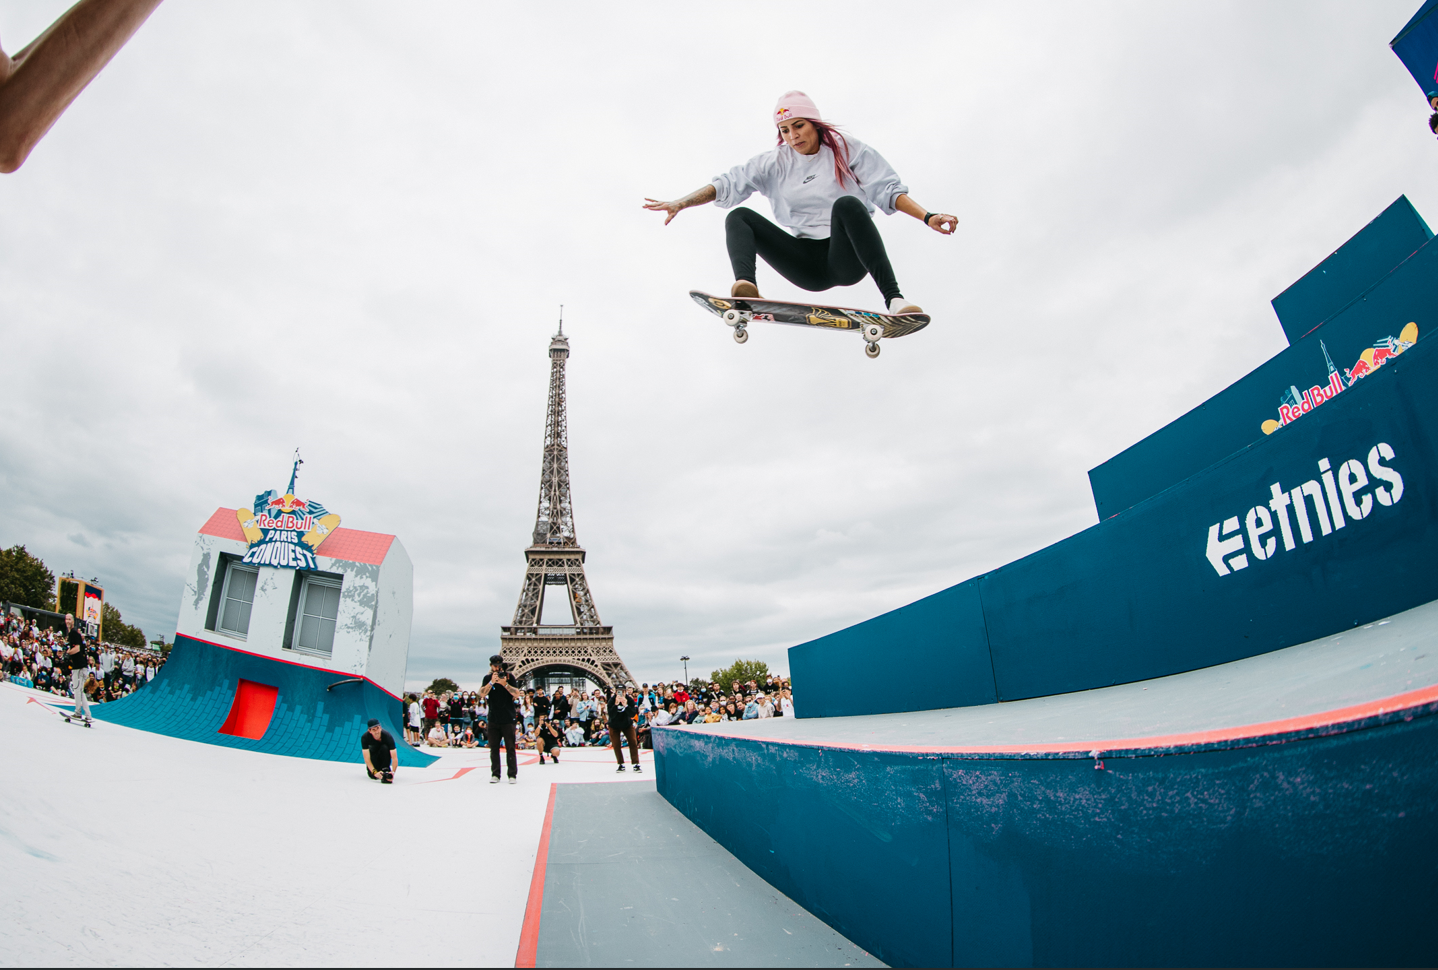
{"x":735,"y":318}
{"x":871,"y":350}
{"x":740,"y":335}
{"x":872,"y":332}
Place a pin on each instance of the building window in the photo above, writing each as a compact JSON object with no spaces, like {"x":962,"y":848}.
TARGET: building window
{"x":319,"y":607}
{"x":238,"y":599}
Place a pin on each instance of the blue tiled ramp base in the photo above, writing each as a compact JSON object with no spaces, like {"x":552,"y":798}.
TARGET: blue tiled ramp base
{"x":190,"y":698}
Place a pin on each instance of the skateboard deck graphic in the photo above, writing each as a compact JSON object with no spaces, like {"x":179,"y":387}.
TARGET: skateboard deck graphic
{"x":739,"y":312}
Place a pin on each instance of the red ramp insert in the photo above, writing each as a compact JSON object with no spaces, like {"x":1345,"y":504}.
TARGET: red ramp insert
{"x":251,"y":710}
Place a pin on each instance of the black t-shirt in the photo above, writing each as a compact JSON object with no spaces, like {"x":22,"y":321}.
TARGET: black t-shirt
{"x":561,"y":708}
{"x":379,"y":748}
{"x":501,"y":703}
{"x":74,"y":638}
{"x":621,"y":716}
{"x":541,"y":705}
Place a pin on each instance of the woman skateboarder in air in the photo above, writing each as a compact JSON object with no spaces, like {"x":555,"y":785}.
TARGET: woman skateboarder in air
{"x":824,"y":187}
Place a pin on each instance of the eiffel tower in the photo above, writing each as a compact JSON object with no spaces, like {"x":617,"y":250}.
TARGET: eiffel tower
{"x":555,"y":559}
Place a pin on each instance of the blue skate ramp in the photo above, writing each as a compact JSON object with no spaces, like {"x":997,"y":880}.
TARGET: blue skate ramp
{"x":1278,"y":810}
{"x":316,"y":713}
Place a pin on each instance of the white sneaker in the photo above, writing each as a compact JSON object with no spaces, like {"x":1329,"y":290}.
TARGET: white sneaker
{"x":494,"y":779}
{"x":900,"y":305}
{"x":513,"y":780}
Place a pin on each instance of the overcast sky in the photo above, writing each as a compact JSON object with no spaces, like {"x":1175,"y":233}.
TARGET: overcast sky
{"x":348,"y":227}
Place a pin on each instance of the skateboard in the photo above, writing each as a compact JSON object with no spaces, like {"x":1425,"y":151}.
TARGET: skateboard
{"x":70,"y":718}
{"x":739,"y":312}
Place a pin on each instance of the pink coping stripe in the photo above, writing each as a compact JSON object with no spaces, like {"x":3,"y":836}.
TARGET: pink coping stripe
{"x":351,"y":545}
{"x":1398,"y":702}
{"x":458,"y":774}
{"x":292,"y":663}
{"x":529,"y":933}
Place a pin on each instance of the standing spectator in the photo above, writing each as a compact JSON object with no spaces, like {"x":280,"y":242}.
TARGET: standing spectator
{"x":584,"y":714}
{"x":127,"y":669}
{"x":107,"y":665}
{"x":541,"y":704}
{"x":786,"y":704}
{"x":526,"y":712}
{"x":456,"y":715}
{"x":413,"y":720}
{"x":560,"y":707}
{"x":443,"y":711}
{"x":751,"y":710}
{"x":431,"y":712}
{"x":620,"y":710}
{"x":501,"y":718}
{"x":78,"y":665}
{"x":766,"y":709}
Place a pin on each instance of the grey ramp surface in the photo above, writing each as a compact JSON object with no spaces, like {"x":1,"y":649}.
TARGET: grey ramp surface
{"x":630,"y":882}
{"x":1360,"y":665}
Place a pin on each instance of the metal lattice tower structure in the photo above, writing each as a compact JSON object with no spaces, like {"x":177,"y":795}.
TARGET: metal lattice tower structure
{"x":555,"y":559}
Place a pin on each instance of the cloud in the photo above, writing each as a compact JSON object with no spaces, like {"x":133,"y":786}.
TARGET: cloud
{"x":349,"y":228}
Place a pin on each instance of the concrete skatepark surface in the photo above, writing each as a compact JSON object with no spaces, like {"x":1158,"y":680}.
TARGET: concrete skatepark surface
{"x":125,"y":847}
{"x":631,"y":882}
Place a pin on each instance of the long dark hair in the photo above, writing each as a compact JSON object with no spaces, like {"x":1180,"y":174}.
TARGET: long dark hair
{"x":831,"y":136}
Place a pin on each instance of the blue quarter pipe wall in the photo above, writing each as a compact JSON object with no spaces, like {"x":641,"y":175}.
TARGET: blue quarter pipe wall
{"x":191,"y":695}
{"x":1403,"y":263}
{"x":1252,"y":854}
{"x":1141,"y":594}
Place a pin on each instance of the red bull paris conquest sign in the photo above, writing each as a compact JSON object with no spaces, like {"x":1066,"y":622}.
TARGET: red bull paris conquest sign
{"x":284,"y":531}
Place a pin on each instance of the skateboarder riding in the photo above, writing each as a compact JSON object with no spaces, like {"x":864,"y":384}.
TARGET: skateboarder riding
{"x":824,"y":187}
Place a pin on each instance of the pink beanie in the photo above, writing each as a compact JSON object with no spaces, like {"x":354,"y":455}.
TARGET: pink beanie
{"x":795,"y":104}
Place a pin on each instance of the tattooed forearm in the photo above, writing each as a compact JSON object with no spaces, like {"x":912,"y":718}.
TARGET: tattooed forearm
{"x":699,"y":196}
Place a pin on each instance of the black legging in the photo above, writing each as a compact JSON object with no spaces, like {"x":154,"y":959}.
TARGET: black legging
{"x":854,"y":248}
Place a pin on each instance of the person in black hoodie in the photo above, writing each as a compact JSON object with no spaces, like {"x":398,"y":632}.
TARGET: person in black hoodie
{"x":622,"y":708}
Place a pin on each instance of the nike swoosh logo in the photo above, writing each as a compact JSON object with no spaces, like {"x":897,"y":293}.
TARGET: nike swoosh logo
{"x":808,"y":180}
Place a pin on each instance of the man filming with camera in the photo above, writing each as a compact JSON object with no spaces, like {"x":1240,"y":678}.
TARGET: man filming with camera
{"x":501,"y":718}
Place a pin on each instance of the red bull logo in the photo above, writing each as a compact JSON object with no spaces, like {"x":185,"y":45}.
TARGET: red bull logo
{"x":1294,"y":403}
{"x":284,"y":531}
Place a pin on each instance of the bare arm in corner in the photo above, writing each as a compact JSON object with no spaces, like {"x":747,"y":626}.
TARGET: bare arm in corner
{"x":38,"y":83}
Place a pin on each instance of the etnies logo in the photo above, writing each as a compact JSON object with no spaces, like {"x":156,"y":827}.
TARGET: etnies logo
{"x":1340,"y":495}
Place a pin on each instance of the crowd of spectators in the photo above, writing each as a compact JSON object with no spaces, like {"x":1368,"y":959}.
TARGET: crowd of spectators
{"x":457,"y":719}
{"x":33,"y":657}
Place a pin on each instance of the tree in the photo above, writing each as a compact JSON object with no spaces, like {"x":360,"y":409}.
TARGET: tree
{"x":441,"y":684}
{"x":25,"y":580}
{"x":742,"y":671}
{"x":117,"y":631}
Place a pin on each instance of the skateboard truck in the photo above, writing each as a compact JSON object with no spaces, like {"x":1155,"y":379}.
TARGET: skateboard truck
{"x":871,"y":332}
{"x":737,"y":318}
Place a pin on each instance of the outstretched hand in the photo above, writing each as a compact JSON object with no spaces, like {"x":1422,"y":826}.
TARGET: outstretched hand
{"x":672,"y":208}
{"x":944,"y":223}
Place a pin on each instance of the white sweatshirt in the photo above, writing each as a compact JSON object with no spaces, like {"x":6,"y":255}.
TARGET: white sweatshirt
{"x":802,"y":189}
